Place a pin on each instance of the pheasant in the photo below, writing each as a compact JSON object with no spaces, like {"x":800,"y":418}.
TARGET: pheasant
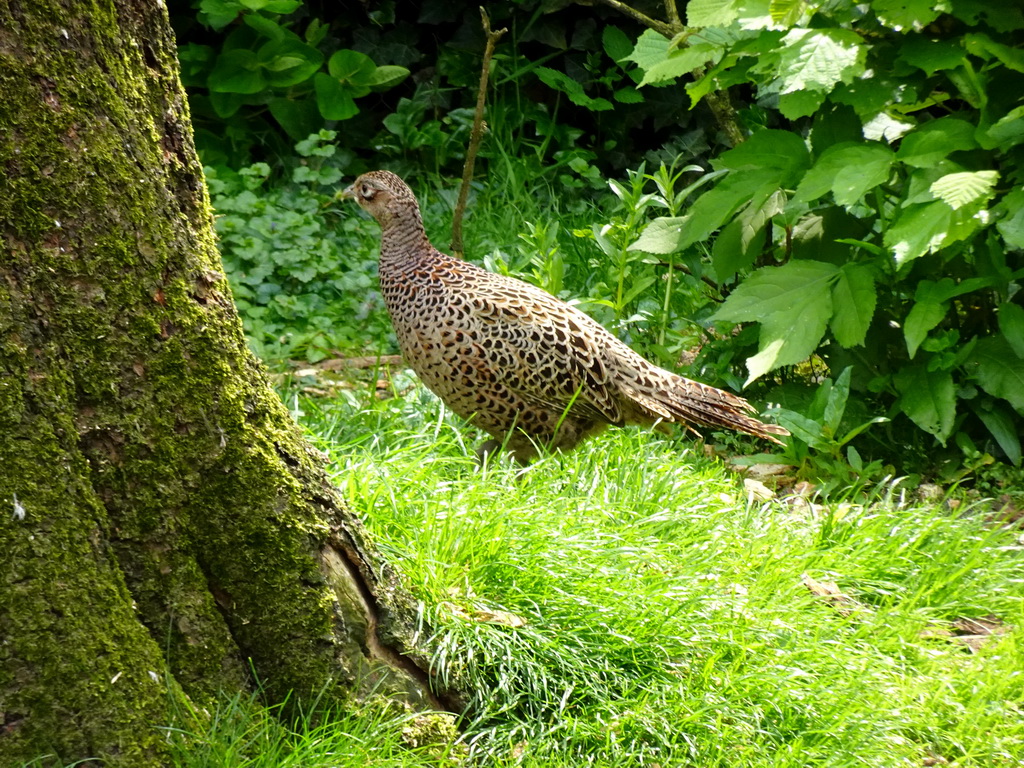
{"x":511,"y":358}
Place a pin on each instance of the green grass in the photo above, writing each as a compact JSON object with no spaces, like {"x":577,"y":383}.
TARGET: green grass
{"x":667,"y":623}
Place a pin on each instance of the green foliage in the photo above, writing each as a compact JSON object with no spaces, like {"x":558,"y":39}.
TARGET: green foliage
{"x":272,"y":58}
{"x":874,"y":219}
{"x":302,"y":275}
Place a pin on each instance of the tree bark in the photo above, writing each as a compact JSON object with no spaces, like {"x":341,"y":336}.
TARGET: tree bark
{"x":164,"y":528}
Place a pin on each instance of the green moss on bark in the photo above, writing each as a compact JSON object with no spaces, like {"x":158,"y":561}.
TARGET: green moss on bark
{"x":174,"y":518}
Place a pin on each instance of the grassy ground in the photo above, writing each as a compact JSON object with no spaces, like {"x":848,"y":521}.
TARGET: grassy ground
{"x":625,"y":605}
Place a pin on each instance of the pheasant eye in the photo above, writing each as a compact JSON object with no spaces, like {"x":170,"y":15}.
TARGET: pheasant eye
{"x":367,"y":191}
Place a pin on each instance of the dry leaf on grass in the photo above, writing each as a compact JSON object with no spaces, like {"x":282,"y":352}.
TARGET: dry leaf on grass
{"x":832,"y":594}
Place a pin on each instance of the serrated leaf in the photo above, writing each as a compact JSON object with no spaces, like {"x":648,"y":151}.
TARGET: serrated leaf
{"x":661,"y":236}
{"x":928,"y":398}
{"x":616,"y":43}
{"x":817,"y":59}
{"x":800,"y":103}
{"x":710,"y":13}
{"x":712,"y":209}
{"x":783,"y":152}
{"x":679,"y":63}
{"x":742,"y":239}
{"x":998,"y":370}
{"x":983,"y":46}
{"x":903,"y":15}
{"x":923,"y":316}
{"x":934,"y":141}
{"x":772,"y":291}
{"x":960,"y":189}
{"x":931,"y":55}
{"x":651,"y":47}
{"x":848,"y":170}
{"x":1011,"y":325}
{"x":853,"y":302}
{"x":792,"y":302}
{"x":920,"y":229}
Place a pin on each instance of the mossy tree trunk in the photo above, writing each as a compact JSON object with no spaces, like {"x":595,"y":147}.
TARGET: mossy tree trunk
{"x":164,"y":528}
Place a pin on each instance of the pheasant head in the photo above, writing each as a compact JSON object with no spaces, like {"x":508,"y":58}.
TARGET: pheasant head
{"x":384,"y":196}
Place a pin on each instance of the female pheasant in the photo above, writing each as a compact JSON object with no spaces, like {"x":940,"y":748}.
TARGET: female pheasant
{"x":514,"y":360}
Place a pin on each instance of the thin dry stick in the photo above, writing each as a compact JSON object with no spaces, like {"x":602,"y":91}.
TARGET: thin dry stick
{"x":475,"y":135}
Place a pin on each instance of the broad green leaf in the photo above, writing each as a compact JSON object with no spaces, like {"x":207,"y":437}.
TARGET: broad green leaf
{"x":1011,"y":226}
{"x":923,"y":316}
{"x":928,"y":398}
{"x":802,"y":428}
{"x":1000,"y":15}
{"x":681,"y":62}
{"x":716,"y":206}
{"x":352,"y":67}
{"x":998,"y":369}
{"x":220,"y":13}
{"x":571,"y":88}
{"x":651,"y":47}
{"x":1004,"y":133}
{"x":817,"y":59}
{"x":853,"y":301}
{"x":786,"y":13}
{"x":1011,"y":325}
{"x":282,"y":7}
{"x":931,"y":55}
{"x":661,"y":236}
{"x":934,"y":141}
{"x":628,"y":95}
{"x":983,"y":46}
{"x":226,"y":104}
{"x":800,"y":103}
{"x":236,"y":71}
{"x":848,"y":170}
{"x":735,"y":248}
{"x":835,"y":406}
{"x":333,"y":99}
{"x":387,"y":76}
{"x":904,"y":15}
{"x":776,"y":291}
{"x":710,"y":13}
{"x":960,"y":189}
{"x":781,"y":151}
{"x":739,"y":243}
{"x":266,"y":27}
{"x":289,"y":62}
{"x":1000,"y":423}
{"x":792,"y":302}
{"x":922,"y":229}
{"x":298,"y":117}
{"x":616,"y":43}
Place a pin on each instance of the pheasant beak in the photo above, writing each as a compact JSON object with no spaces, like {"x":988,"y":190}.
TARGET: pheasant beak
{"x":348,"y":192}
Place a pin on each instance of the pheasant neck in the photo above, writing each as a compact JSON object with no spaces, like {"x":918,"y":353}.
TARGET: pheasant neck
{"x":403,"y":238}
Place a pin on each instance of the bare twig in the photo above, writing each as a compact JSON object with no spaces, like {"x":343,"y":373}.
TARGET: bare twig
{"x":476,"y":134}
{"x":672,"y":14}
{"x":668,"y":30}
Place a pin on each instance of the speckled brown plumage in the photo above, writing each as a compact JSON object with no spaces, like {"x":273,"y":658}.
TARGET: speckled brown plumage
{"x":514,"y":360}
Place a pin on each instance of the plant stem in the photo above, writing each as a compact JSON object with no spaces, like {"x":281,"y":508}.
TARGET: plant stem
{"x":476,"y":134}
